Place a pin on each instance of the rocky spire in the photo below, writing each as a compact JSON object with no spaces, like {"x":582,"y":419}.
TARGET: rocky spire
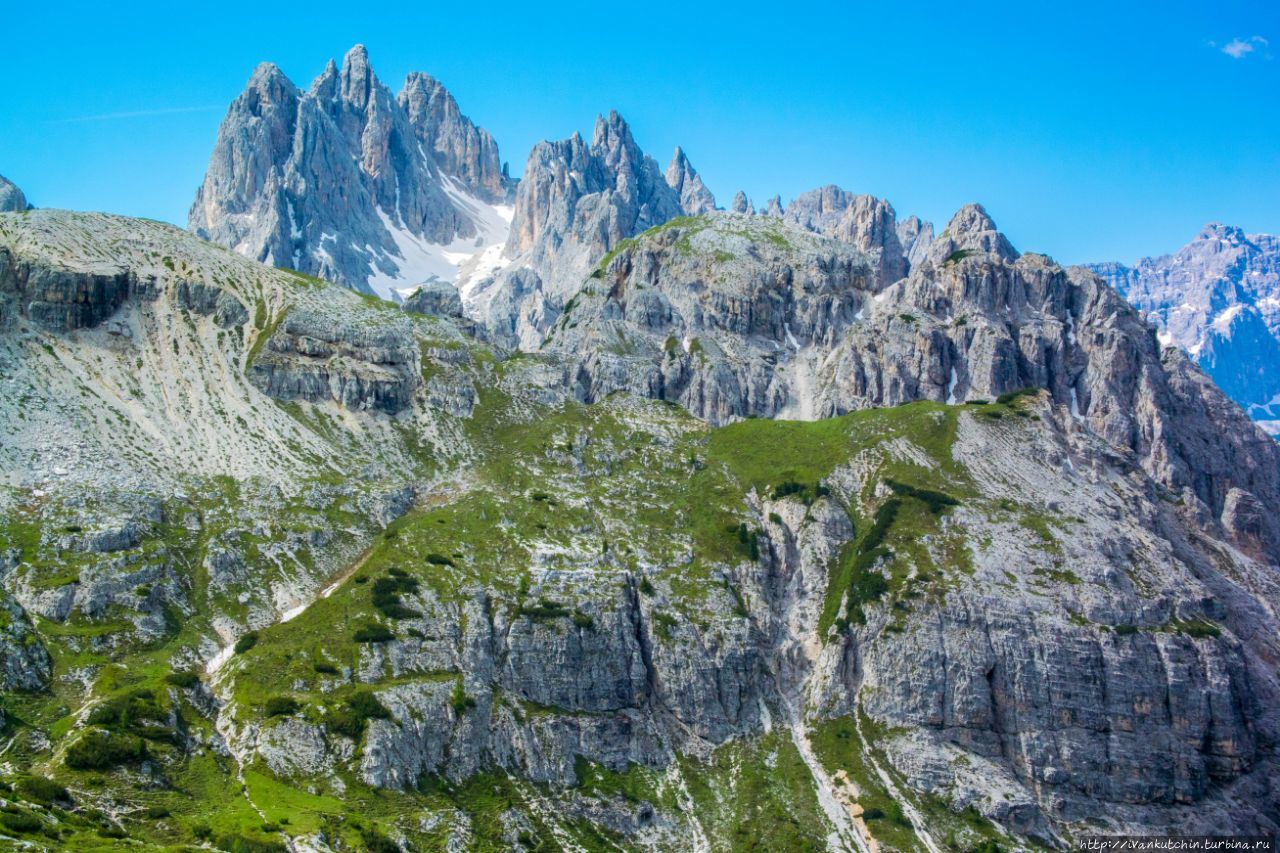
{"x":633,"y":196}
{"x":774,"y":207}
{"x":325,"y":87}
{"x":357,"y":81}
{"x":695,"y":198}
{"x":742,"y":204}
{"x":11,"y":198}
{"x":574,"y":203}
{"x":460,"y":147}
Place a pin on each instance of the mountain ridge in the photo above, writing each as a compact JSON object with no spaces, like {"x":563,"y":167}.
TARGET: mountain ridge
{"x":419,"y":543}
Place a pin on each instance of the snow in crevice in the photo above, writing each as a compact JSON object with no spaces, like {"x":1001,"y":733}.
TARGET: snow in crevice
{"x":951,"y":387}
{"x":1075,"y":405}
{"x":417,"y":261}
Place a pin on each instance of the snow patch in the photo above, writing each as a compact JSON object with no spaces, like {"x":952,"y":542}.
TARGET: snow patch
{"x":480,"y":269}
{"x":293,"y":613}
{"x":418,"y":261}
{"x":216,"y":662}
{"x":1222,"y":323}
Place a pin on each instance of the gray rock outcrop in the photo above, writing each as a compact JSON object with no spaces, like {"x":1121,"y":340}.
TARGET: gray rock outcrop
{"x":24,"y":662}
{"x":436,"y":299}
{"x":695,"y":198}
{"x":309,"y":357}
{"x":60,"y":299}
{"x":862,"y":221}
{"x":915,"y":236}
{"x":11,"y":198}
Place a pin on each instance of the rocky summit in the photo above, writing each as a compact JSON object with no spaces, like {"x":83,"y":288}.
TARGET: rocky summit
{"x":640,"y":525}
{"x":1218,"y":299}
{"x":381,"y":193}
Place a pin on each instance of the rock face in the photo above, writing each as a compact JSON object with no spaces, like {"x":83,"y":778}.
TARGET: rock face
{"x":915,"y":237}
{"x":1217,"y":298}
{"x":310,"y":358}
{"x":11,"y":198}
{"x":575,"y":203}
{"x":24,"y":662}
{"x":862,"y":221}
{"x":346,"y":182}
{"x":710,"y":313}
{"x":436,"y":299}
{"x":462,"y":150}
{"x":801,"y":329}
{"x":695,"y":198}
{"x":58,"y":299}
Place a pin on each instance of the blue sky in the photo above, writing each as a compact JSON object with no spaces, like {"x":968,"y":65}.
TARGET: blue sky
{"x":1090,"y":131}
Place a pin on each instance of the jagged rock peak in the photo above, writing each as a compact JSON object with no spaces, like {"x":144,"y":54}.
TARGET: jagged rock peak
{"x":267,"y":75}
{"x":742,"y":204}
{"x":613,"y":141}
{"x":357,"y":77}
{"x":774,"y":206}
{"x":864,"y":221}
{"x":577,"y":201}
{"x":695,"y":198}
{"x":11,"y":198}
{"x":346,"y":182}
{"x":971,"y":229}
{"x":267,"y":87}
{"x":916,"y":236}
{"x":463,"y":150}
{"x":325,"y":87}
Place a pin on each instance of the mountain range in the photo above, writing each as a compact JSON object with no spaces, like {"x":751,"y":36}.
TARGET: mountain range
{"x":1218,"y":298}
{"x":626,"y":523}
{"x":419,"y":197}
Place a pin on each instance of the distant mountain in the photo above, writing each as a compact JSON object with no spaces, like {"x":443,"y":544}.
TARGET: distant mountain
{"x":11,"y":198}
{"x":350,"y":183}
{"x":1218,"y":298}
